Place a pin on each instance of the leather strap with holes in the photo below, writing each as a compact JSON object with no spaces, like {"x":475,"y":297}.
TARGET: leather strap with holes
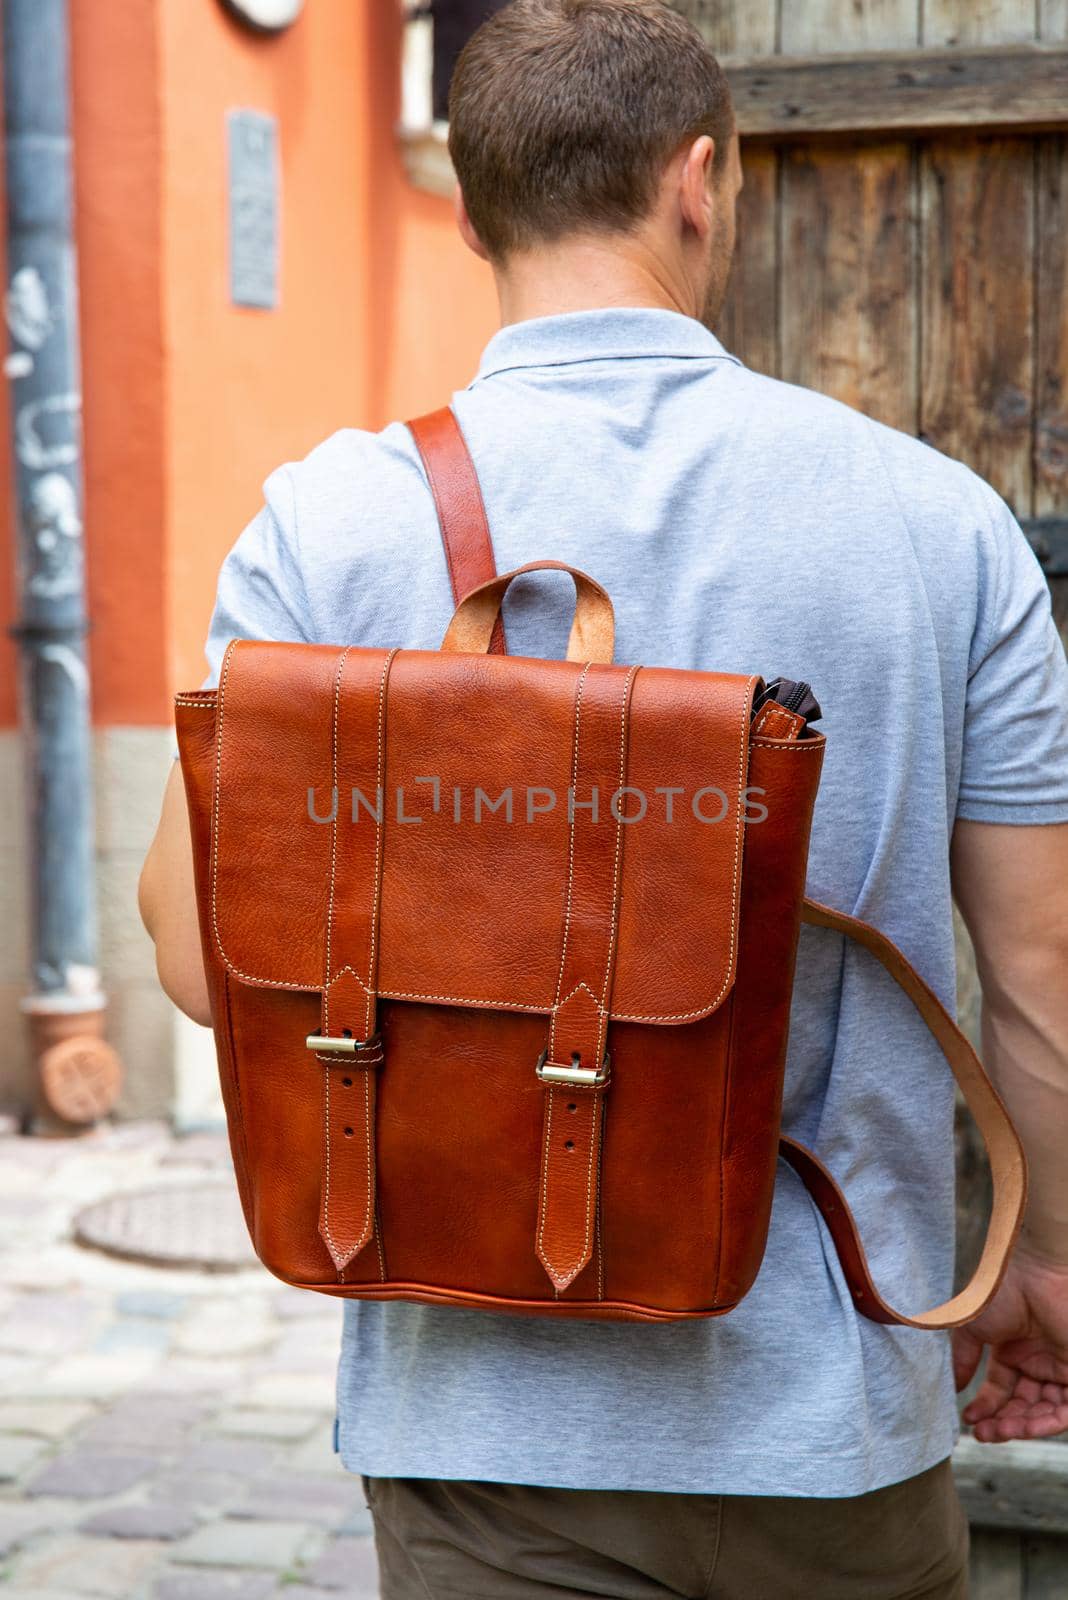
{"x":471,"y":562}
{"x":574,"y":1113}
{"x":349,"y":1010}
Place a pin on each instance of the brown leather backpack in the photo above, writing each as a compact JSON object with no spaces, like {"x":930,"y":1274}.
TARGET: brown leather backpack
{"x":500,"y":954}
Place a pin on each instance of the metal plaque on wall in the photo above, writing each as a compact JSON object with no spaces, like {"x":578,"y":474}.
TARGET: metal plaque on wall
{"x":254,"y":208}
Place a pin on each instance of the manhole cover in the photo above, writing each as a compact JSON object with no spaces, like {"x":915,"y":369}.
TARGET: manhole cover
{"x":183,"y":1226}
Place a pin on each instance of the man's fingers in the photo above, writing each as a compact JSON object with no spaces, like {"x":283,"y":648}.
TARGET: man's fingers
{"x":1014,"y":1404}
{"x":1044,"y":1423}
{"x":997,"y":1388}
{"x":967,"y":1353}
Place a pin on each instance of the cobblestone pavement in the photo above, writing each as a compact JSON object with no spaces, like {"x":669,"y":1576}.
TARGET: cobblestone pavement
{"x":164,"y":1435}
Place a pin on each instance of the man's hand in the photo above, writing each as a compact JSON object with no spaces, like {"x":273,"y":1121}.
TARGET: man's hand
{"x":1024,"y":1394}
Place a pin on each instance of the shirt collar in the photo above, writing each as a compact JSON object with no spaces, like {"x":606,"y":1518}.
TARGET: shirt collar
{"x":616,"y":333}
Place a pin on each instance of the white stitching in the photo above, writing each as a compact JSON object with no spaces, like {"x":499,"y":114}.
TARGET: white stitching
{"x":628,"y":1016}
{"x":369,"y":1143}
{"x":380,"y":789}
{"x":368,"y":1124}
{"x":340,"y":973}
{"x":333,"y":837}
{"x":564,"y":1274}
{"x":368,"y":1128}
{"x":557,"y":1278}
{"x":542,"y":1192}
{"x":231,"y":647}
{"x":602,"y":1028}
{"x":560,"y":1004}
{"x":491,"y":1004}
{"x":702,"y":1011}
{"x":269,"y":983}
{"x":603,"y":1025}
{"x":335,"y":1250}
{"x":773,"y":716}
{"x":198,"y":705}
{"x":789,"y":746}
{"x":570,"y":863}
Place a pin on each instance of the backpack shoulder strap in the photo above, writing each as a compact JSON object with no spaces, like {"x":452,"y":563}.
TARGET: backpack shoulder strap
{"x":469,"y":553}
{"x":461,"y":513}
{"x":1008,"y":1168}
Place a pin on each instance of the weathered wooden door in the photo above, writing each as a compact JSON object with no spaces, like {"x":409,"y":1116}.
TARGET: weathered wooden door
{"x":904,"y":227}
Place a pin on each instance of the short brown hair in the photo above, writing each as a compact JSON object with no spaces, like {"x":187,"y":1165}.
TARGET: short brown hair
{"x":564,"y":113}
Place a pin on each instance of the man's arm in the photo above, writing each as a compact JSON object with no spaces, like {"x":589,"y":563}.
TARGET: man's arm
{"x":1011,"y":883}
{"x":260,"y":596}
{"x":167,"y":900}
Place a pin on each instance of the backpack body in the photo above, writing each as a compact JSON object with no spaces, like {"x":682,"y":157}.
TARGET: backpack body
{"x":606,"y":877}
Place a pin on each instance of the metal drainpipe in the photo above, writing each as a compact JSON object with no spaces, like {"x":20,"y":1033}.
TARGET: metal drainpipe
{"x":78,"y":1073}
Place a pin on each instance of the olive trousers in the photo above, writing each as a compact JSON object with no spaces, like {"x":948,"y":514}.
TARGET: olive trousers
{"x":440,"y":1540}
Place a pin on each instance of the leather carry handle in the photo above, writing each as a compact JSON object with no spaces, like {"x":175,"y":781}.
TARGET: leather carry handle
{"x":461,"y":512}
{"x":471,"y":561}
{"x":593,"y":631}
{"x":1007,"y":1163}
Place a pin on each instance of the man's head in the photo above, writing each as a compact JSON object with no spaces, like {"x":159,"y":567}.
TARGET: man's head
{"x":599,"y":122}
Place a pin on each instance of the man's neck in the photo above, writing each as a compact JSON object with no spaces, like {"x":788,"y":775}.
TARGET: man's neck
{"x":588,"y":275}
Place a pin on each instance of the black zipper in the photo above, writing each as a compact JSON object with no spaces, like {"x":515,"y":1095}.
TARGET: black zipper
{"x":792,"y":695}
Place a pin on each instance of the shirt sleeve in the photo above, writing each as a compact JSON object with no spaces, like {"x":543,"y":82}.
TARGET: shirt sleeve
{"x":261,"y":593}
{"x":1015,"y":757}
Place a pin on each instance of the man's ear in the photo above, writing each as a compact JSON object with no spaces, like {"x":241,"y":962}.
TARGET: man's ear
{"x":463,"y":222}
{"x":696,"y":199}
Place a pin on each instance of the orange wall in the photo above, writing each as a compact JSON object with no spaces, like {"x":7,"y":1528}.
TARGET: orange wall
{"x":189,"y":401}
{"x":115,"y":127}
{"x":383,"y":309}
{"x":434,"y":304}
{"x":249,"y":389}
{"x":8,"y":604}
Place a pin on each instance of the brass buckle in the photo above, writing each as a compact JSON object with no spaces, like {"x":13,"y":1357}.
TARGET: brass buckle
{"x":332,"y":1045}
{"x":578,"y":1077}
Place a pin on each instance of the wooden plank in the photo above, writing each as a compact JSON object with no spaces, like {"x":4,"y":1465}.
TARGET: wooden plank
{"x":976,"y":291}
{"x":848,"y":315}
{"x":962,"y":22}
{"x":1051,"y":328}
{"x":1022,"y":1484}
{"x":749,"y":324}
{"x":1053,"y":20}
{"x":835,"y":25}
{"x":738,"y":27}
{"x":1045,"y":1568}
{"x":1051,"y":357}
{"x":848,"y":263}
{"x":996,"y":1566}
{"x":1023,"y":86}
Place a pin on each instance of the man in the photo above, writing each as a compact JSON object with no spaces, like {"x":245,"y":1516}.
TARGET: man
{"x":791,"y":1448}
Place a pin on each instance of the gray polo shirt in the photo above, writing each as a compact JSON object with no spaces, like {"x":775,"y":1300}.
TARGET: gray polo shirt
{"x":740,"y":525}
